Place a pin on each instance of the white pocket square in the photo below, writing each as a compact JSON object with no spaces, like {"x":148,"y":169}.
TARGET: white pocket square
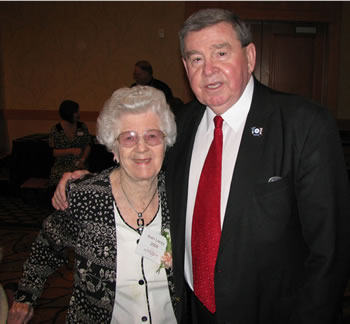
{"x":274,"y":179}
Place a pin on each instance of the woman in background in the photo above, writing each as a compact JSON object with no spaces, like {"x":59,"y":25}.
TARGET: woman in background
{"x":70,"y":142}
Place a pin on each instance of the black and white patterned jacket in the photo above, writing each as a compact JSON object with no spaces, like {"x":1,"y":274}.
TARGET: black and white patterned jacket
{"x":88,"y":227}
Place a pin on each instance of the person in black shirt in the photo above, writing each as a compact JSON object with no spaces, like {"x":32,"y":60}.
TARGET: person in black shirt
{"x":143,"y":75}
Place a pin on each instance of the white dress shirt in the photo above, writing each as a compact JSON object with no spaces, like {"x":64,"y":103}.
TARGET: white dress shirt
{"x":232,"y":128}
{"x":142,"y":294}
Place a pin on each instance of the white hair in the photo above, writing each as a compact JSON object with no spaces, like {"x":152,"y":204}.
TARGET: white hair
{"x":134,"y":100}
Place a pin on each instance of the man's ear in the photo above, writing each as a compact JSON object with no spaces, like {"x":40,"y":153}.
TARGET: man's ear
{"x":185,"y":65}
{"x":251,"y":57}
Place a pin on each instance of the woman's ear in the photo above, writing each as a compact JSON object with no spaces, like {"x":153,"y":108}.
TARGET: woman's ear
{"x":115,"y":157}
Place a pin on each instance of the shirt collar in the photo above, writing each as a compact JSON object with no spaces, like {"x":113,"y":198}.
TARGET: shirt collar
{"x":237,"y":114}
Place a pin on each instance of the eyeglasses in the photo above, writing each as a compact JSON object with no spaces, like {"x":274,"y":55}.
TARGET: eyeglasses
{"x":151,"y":137}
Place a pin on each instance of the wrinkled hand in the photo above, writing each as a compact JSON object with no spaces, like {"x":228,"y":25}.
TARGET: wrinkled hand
{"x":59,"y":199}
{"x":20,"y":313}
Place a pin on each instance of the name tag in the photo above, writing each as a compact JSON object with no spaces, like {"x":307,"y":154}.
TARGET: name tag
{"x":151,"y":245}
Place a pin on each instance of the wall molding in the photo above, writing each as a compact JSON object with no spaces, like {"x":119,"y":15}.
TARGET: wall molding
{"x":33,"y":114}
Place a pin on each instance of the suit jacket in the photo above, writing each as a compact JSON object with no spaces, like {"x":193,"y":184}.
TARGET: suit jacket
{"x":284,"y":249}
{"x":88,"y":227}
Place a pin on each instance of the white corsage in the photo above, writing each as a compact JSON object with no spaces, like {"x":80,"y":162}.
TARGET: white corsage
{"x":166,"y":261}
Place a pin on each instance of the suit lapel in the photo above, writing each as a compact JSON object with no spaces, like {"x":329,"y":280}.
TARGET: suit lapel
{"x":246,"y":169}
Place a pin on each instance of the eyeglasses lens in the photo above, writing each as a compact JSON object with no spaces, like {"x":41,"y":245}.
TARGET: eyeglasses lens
{"x":151,"y":137}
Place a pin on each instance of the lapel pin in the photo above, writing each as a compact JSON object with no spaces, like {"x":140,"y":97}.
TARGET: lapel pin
{"x":257,"y":131}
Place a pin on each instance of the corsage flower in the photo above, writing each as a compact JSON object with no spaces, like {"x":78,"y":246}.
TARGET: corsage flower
{"x":167,"y":258}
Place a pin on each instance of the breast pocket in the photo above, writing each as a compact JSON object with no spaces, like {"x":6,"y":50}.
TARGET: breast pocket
{"x":273,"y":203}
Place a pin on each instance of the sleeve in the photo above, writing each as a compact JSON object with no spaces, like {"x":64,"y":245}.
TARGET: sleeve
{"x":323,"y":194}
{"x":52,"y":137}
{"x":47,"y":255}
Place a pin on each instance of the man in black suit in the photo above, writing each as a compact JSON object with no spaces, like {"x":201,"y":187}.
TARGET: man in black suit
{"x":283,"y":255}
{"x":284,"y":251}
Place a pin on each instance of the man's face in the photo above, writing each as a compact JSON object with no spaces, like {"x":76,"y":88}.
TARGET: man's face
{"x":141,"y":77}
{"x":217,"y":66}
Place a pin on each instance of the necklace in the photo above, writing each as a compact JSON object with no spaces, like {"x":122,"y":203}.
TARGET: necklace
{"x":140,"y":220}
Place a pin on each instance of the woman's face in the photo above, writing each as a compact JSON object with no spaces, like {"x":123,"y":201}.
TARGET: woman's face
{"x":76,"y":117}
{"x":141,"y":161}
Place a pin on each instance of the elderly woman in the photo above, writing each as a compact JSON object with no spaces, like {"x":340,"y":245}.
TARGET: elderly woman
{"x":117,"y":223}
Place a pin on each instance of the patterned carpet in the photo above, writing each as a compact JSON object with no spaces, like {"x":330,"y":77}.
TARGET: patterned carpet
{"x":20,"y":222}
{"x":15,"y":212}
{"x":53,"y":303}
{"x":21,"y":215}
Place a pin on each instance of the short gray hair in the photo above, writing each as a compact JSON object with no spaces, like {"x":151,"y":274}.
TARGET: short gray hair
{"x":134,"y":100}
{"x":209,"y":17}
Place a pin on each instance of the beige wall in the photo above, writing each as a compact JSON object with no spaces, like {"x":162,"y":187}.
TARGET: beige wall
{"x":50,"y":51}
{"x":83,"y":51}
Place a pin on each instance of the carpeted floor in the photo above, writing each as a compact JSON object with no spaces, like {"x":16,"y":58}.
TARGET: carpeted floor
{"x":14,"y":212}
{"x":53,"y":303}
{"x":21,"y":216}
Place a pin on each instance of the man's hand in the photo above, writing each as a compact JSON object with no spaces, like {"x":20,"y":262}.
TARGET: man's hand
{"x":20,"y":313}
{"x":59,"y":199}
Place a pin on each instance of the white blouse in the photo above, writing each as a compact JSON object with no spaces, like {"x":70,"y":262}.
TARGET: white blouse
{"x":142,"y":294}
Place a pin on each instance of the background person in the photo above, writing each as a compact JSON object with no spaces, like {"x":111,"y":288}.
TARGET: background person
{"x":104,"y":224}
{"x":70,"y":142}
{"x":143,"y":75}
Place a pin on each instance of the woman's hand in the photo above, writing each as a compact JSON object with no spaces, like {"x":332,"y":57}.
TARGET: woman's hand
{"x":59,"y":199}
{"x":20,"y":313}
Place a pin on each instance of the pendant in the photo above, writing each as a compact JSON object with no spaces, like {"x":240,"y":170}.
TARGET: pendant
{"x":139,"y":215}
{"x":140,"y":222}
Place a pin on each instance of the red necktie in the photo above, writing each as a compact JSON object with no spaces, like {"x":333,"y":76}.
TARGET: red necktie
{"x":206,"y":225}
